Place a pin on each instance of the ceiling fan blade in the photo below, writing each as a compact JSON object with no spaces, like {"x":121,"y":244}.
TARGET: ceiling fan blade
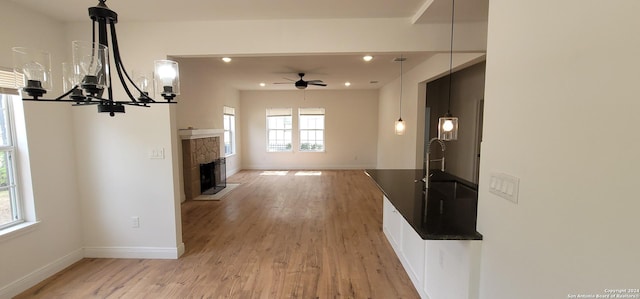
{"x":316,"y":84}
{"x":315,"y":81}
{"x":284,"y":83}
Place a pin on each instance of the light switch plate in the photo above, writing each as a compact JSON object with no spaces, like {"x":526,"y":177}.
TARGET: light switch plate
{"x":156,"y":153}
{"x":505,"y":186}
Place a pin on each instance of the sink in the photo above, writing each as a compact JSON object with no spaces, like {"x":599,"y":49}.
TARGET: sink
{"x":452,"y":202}
{"x":454,"y":189}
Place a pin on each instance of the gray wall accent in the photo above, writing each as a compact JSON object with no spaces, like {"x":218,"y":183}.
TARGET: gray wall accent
{"x":467,"y":87}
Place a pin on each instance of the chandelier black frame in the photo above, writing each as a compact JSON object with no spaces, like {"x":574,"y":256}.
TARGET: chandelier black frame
{"x":89,"y":91}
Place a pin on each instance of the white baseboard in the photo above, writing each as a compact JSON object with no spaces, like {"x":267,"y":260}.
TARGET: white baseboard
{"x":231,"y":172}
{"x":35,"y":277}
{"x":180,"y":250}
{"x":307,"y":167}
{"x":134,"y":252}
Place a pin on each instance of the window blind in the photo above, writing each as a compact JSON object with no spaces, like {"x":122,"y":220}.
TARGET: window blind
{"x":279,"y":112}
{"x":7,"y":81}
{"x":311,"y":111}
{"x":229,"y":110}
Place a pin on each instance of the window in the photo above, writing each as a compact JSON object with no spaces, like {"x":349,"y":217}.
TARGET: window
{"x":10,"y":208}
{"x":279,"y":130}
{"x":229,"y":131}
{"x":311,"y":129}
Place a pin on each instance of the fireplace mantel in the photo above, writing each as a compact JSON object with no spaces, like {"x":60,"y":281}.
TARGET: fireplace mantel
{"x":186,"y":134}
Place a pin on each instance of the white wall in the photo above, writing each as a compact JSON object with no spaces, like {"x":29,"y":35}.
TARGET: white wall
{"x":561,"y":114}
{"x":56,"y":241}
{"x":203,"y":95}
{"x":350,"y":129}
{"x":117,"y":179}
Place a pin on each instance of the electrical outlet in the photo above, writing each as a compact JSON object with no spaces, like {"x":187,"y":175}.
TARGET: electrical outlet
{"x":135,"y":222}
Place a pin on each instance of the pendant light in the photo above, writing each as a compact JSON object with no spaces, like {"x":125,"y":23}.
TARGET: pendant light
{"x":400,"y":125}
{"x":448,"y":124}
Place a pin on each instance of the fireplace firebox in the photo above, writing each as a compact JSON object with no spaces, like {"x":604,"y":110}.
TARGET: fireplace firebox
{"x":213,"y":176}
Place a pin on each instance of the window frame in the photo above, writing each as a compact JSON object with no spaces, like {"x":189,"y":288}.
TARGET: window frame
{"x":229,"y":118}
{"x":15,"y":200}
{"x":280,"y":113}
{"x":302,"y":114}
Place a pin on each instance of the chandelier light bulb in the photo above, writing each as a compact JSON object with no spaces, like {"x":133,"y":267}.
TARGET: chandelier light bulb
{"x":90,"y":65}
{"x":143,"y":84}
{"x":70,"y":77}
{"x":34,"y":71}
{"x":167,"y":82}
{"x":142,"y":81}
{"x":91,"y":60}
{"x":166,"y":74}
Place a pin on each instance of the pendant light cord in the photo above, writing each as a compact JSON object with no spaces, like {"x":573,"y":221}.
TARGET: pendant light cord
{"x":401,"y":86}
{"x":453,"y":5}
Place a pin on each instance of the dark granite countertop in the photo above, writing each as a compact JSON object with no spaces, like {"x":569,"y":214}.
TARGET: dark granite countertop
{"x":435,"y":216}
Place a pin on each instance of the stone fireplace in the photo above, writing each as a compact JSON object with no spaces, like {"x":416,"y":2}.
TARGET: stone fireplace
{"x":199,"y":146}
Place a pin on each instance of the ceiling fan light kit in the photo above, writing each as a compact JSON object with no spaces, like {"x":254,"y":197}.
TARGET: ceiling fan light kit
{"x":88,"y":77}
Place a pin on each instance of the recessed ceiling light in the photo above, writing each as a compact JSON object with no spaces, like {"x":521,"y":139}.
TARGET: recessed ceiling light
{"x":262,"y":84}
{"x":367,"y":58}
{"x":226,"y":59}
{"x":347,"y":84}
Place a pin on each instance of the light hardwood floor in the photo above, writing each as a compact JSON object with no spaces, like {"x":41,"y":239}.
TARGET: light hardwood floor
{"x":291,"y":236}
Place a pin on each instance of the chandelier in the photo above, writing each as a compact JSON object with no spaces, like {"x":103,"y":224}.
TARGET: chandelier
{"x":88,"y":77}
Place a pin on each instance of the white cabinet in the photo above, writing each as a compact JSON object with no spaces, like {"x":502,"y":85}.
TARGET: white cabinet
{"x":439,"y":269}
{"x":407,"y":244}
{"x":413,"y":252}
{"x":392,"y":224}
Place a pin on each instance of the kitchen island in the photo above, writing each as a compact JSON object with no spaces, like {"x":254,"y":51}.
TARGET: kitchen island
{"x":432,"y":230}
{"x":435,"y":214}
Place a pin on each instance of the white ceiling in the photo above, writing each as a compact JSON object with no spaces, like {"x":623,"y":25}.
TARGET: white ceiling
{"x":183,"y":10}
{"x":245,"y":73}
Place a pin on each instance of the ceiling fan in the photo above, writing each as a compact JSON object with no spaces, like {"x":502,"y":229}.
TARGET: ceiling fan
{"x":302,"y":84}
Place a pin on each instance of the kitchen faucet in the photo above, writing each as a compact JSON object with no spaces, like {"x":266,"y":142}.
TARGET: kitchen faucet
{"x":427,"y":160}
